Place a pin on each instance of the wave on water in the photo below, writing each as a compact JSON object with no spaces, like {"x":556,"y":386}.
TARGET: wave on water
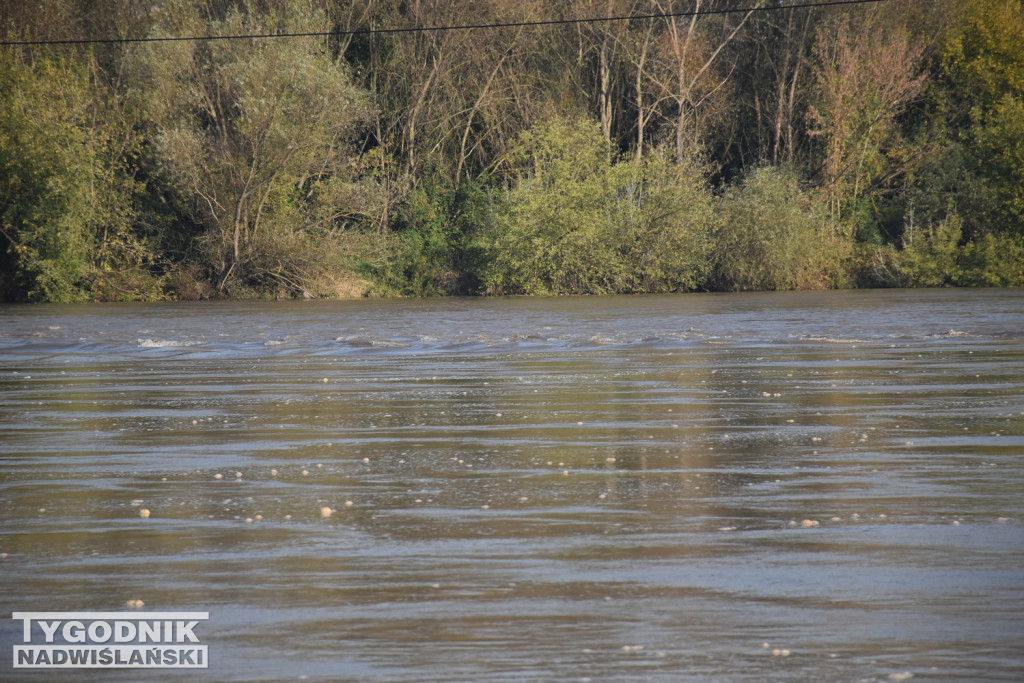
{"x":164,"y":343}
{"x":370,"y":342}
{"x":321,"y":342}
{"x":840,"y":340}
{"x":491,"y":327}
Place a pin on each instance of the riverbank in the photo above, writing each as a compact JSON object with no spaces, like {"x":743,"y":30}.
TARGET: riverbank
{"x":312,"y":151}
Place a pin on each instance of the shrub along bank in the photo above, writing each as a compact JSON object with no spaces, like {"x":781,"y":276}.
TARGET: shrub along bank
{"x":739,"y":151}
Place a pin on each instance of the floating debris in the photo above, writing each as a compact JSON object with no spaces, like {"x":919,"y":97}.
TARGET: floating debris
{"x":780,"y":652}
{"x":326,"y":512}
{"x":901,"y":676}
{"x":135,"y":604}
{"x":144,"y":513}
{"x":809,"y":523}
{"x":218,"y":476}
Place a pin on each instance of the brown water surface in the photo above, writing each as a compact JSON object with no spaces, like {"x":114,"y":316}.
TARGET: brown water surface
{"x":529,"y":489}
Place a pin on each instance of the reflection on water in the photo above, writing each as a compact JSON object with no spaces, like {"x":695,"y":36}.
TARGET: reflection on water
{"x":655,"y":488}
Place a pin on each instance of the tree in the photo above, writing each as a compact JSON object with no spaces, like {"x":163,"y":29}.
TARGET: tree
{"x":999,"y":156}
{"x":981,"y":70}
{"x":690,"y":50}
{"x":983,"y":54}
{"x":774,"y":76}
{"x":66,"y":189}
{"x":864,"y":80}
{"x":255,"y":139}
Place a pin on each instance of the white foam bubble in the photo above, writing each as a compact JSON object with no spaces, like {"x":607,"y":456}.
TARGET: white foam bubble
{"x":163,"y":343}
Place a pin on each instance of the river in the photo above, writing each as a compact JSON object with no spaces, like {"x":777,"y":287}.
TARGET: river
{"x":742,"y":487}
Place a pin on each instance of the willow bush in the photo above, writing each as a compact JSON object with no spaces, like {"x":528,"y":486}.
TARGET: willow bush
{"x":255,"y":140}
{"x":773,"y":235}
{"x":67,"y":220}
{"x":574,"y":222}
{"x":937,"y":256}
{"x":433,"y":242}
{"x":992,"y":261}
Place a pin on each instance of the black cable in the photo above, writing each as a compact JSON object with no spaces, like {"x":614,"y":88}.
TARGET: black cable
{"x":424,"y":29}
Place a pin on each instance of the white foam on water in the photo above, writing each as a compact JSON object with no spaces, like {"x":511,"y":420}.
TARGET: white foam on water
{"x":163,"y":343}
{"x":838,"y":340}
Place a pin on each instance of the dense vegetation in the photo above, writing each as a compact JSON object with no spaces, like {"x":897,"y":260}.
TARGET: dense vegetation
{"x":879,"y":144}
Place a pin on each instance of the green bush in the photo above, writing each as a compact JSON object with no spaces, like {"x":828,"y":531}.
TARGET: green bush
{"x":775,"y":236}
{"x":573,"y":222}
{"x":999,"y":150}
{"x":930,"y":258}
{"x":254,"y":141}
{"x":992,"y":261}
{"x":667,"y":230}
{"x":66,"y":194}
{"x":935,"y":257}
{"x":433,"y":248}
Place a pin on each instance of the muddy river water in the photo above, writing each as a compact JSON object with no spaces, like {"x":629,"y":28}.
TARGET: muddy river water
{"x":820,"y":486}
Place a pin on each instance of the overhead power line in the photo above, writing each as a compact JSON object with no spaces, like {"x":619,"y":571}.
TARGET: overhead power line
{"x":428,"y":29}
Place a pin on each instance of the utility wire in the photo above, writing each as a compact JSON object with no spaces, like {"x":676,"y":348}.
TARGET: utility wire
{"x":426,"y":29}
